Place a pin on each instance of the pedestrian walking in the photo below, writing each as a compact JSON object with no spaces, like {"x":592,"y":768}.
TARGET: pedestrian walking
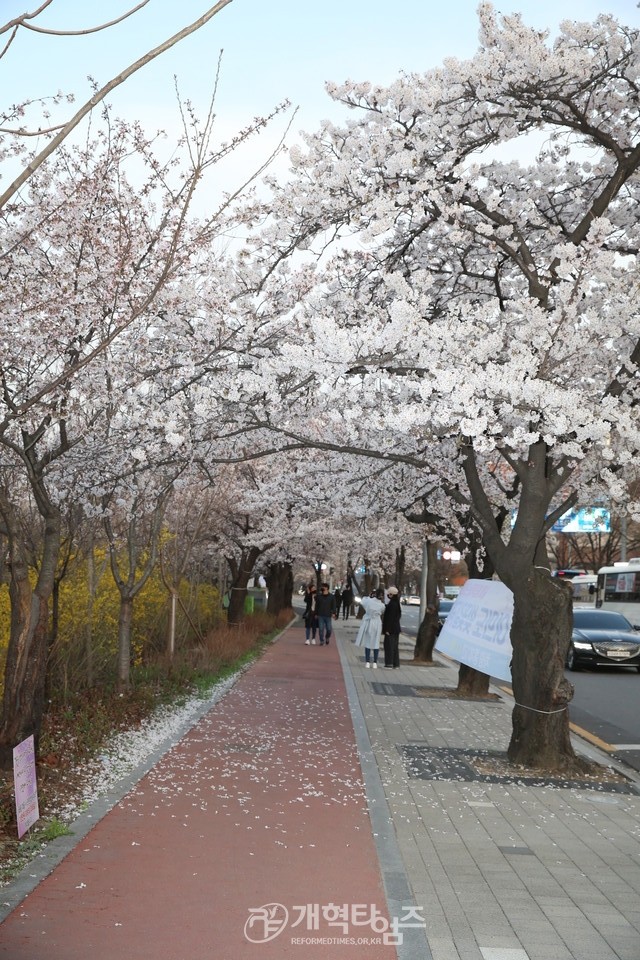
{"x":337,"y":596}
{"x":370,"y":629}
{"x":326,"y":611}
{"x":310,"y":616}
{"x":391,"y":629}
{"x":347,"y":600}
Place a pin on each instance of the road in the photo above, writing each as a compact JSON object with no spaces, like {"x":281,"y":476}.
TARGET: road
{"x":410,"y":619}
{"x":606,"y":704}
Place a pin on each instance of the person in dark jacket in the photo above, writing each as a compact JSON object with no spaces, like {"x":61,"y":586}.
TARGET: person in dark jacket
{"x":347,"y":600}
{"x":326,"y":611}
{"x":391,"y":629}
{"x":310,"y":616}
{"x":337,"y":596}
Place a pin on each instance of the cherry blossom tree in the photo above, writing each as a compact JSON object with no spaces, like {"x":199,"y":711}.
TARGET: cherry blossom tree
{"x":133,"y":521}
{"x":474,"y":237}
{"x":186,"y":548}
{"x":100,"y":294}
{"x":467,"y":536}
{"x":82,"y":263}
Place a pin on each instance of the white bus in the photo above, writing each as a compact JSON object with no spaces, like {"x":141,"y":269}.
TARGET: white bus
{"x":619,"y":589}
{"x":584,"y":588}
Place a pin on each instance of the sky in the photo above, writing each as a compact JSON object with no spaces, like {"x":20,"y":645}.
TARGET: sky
{"x":282,"y":49}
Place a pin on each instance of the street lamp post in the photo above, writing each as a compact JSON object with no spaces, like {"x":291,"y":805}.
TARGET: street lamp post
{"x":451,"y":556}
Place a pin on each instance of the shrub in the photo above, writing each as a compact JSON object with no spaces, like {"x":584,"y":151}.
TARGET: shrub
{"x":85,"y":649}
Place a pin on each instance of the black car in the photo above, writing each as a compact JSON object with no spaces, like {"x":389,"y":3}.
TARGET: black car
{"x":602,"y":638}
{"x":444,"y":607}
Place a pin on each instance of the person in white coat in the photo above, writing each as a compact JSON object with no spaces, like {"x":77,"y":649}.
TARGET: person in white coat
{"x":370,"y":629}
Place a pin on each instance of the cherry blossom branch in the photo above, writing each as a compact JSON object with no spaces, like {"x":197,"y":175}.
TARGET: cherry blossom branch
{"x":480,"y":506}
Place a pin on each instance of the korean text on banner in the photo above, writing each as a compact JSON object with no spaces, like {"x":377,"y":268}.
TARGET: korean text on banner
{"x":477,"y":629}
{"x":26,"y":785}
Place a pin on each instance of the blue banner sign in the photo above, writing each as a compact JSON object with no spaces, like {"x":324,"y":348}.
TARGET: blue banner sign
{"x":584,"y":520}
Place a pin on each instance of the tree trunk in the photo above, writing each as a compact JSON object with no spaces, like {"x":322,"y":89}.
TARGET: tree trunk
{"x":400,"y":567}
{"x":52,"y":635}
{"x":240,"y":573}
{"x":428,"y":629}
{"x":55,"y":614}
{"x":368,"y":578}
{"x":542,"y":621}
{"x":280,"y":585}
{"x":540,"y":633}
{"x":289,"y":588}
{"x":171,"y":625}
{"x":356,"y":590}
{"x":94,"y":575}
{"x":26,"y":663}
{"x":426,"y":638}
{"x":238,"y":595}
{"x":88,"y":635}
{"x":472,"y":682}
{"x":124,"y":642}
{"x":138,"y":536}
{"x":23,"y":701}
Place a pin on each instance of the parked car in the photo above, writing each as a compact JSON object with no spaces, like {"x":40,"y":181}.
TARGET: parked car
{"x":411,"y":599}
{"x":444,"y":606}
{"x":603,"y":638}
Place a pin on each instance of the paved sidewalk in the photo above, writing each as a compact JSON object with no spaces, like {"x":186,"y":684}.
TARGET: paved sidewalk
{"x":236,"y":842}
{"x":315,"y":781}
{"x":503,"y":870}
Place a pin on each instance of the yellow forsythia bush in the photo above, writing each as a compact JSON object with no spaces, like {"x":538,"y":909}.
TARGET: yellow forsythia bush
{"x":86,"y":647}
{"x":87,"y":640}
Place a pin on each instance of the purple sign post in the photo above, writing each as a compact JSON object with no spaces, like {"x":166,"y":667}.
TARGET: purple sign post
{"x":26,"y":785}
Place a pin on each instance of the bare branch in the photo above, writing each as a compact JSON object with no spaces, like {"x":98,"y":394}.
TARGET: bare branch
{"x":31,"y":133}
{"x":102,"y":93}
{"x":13,"y":25}
{"x":22,"y":22}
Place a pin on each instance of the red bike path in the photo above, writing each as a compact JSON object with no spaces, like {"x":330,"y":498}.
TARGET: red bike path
{"x":254,"y":825}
